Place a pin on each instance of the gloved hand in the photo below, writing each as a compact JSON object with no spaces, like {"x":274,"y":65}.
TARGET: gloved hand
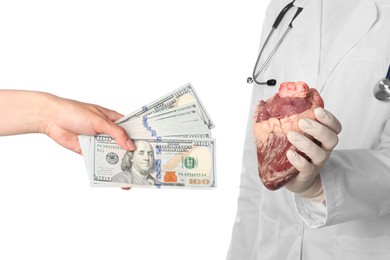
{"x":307,"y":183}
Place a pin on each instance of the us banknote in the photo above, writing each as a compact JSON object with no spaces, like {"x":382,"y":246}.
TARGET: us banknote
{"x":155,"y":163}
{"x":174,"y":147}
{"x":181,"y":96}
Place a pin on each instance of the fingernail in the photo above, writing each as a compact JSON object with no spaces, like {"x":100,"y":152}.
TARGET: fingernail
{"x":320,"y":113}
{"x":294,"y":136}
{"x":305,"y":123}
{"x":291,"y":155}
{"x":131,"y":145}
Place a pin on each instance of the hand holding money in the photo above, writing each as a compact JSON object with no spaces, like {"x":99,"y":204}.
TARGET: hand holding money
{"x":61,"y":119}
{"x":173,"y":142}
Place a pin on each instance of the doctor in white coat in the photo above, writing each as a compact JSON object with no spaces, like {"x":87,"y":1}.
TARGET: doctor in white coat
{"x":341,"y":48}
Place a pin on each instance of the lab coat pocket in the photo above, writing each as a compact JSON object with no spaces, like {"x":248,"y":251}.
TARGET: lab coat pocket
{"x":357,"y":248}
{"x":358,"y":72}
{"x":268,"y":238}
{"x":368,"y":55}
{"x":368,"y":65}
{"x":386,"y":2}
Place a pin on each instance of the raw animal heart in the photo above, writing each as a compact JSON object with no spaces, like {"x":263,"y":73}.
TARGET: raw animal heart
{"x":272,"y":120}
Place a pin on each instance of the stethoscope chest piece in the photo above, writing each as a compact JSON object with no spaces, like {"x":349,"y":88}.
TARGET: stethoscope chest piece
{"x":382,"y":88}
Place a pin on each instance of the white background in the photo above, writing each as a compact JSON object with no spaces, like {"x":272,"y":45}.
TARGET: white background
{"x":122,"y":55}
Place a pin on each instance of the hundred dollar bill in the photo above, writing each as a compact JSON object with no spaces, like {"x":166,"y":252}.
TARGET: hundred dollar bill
{"x":87,"y":145}
{"x":155,"y":163}
{"x":173,"y":121}
{"x":165,"y":131}
{"x":181,"y":96}
{"x":177,"y":112}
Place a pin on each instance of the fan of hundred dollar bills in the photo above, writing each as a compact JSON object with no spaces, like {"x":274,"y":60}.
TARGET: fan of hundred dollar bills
{"x":174,"y":146}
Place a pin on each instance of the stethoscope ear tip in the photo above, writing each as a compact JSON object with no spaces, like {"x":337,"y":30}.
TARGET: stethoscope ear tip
{"x":249,"y":80}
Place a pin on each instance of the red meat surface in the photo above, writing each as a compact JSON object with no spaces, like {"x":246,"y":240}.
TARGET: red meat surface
{"x":272,"y":120}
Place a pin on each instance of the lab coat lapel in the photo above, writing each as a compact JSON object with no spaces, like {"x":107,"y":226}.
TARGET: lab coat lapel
{"x":307,"y":39}
{"x":361,"y":18}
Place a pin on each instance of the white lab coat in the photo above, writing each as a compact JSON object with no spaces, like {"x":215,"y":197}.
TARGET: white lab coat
{"x":355,"y":223}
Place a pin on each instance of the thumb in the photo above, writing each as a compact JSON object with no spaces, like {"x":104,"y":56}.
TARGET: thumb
{"x":118,"y":133}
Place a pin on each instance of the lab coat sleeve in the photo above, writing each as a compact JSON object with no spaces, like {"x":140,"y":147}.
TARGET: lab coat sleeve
{"x":356,"y":185}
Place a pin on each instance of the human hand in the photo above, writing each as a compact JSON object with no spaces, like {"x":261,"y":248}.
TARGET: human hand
{"x":307,"y":183}
{"x":66,"y":119}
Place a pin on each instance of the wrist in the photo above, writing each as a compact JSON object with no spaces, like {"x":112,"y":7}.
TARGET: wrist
{"x":23,"y":111}
{"x":315,"y":192}
{"x":46,"y":112}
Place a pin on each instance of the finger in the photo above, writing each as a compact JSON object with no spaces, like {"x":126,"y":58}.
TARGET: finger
{"x":78,"y":150}
{"x":328,"y":119}
{"x":73,"y":144}
{"x":66,"y":139}
{"x":317,"y":155}
{"x":322,"y":133}
{"x":110,"y":114}
{"x":117,"y":132}
{"x":304,"y":167}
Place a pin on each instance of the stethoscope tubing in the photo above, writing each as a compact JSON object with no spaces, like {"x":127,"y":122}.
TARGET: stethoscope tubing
{"x":381,"y":89}
{"x":255,"y":75}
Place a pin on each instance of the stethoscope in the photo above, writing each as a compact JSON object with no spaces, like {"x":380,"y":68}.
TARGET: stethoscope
{"x":381,"y":89}
{"x":279,"y":18}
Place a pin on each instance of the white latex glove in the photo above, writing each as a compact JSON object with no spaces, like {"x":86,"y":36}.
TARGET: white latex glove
{"x":307,"y":183}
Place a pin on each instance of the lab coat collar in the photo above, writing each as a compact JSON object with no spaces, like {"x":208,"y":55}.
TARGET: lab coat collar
{"x":363,"y":16}
{"x":301,"y":3}
{"x":307,"y":38}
